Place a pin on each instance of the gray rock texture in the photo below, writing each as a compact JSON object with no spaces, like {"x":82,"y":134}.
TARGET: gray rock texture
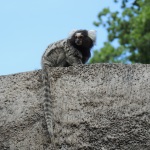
{"x":96,"y":107}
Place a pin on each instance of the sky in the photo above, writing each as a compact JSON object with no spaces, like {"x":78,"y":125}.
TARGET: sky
{"x":27,"y":27}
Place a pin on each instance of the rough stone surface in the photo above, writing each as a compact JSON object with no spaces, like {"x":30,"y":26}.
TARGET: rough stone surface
{"x":96,"y":107}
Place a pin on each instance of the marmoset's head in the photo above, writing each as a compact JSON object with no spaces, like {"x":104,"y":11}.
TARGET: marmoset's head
{"x":83,"y":38}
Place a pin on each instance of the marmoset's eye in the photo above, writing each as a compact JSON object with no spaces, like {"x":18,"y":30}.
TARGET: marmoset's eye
{"x":79,"y":37}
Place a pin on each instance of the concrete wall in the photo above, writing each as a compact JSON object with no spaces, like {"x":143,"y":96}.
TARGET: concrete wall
{"x":96,"y":107}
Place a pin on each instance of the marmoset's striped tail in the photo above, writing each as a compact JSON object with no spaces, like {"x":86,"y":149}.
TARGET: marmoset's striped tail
{"x":47,"y":103}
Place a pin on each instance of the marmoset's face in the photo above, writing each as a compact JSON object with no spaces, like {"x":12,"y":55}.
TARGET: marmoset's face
{"x":79,"y":38}
{"x":83,"y":40}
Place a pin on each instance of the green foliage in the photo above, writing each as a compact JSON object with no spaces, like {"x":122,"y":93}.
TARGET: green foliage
{"x":109,"y":53}
{"x":131,"y":27}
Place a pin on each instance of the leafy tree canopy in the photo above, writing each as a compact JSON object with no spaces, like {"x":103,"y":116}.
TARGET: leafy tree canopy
{"x":131,"y":27}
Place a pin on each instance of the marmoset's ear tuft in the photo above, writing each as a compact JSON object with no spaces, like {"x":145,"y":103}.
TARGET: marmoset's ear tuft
{"x":71,"y":33}
{"x":92,"y":35}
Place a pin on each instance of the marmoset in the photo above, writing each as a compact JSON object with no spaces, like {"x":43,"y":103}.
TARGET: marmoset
{"x":67,"y":52}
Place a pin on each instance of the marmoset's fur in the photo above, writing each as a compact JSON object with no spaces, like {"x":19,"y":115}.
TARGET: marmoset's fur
{"x":68,"y":52}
